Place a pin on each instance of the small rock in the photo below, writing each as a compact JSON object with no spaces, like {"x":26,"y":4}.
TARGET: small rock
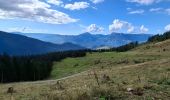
{"x":130,"y":89}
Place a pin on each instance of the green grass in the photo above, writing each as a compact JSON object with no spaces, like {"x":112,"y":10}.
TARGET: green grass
{"x":70,"y":66}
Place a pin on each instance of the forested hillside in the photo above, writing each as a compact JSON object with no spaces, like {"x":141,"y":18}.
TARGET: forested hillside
{"x":158,"y":37}
{"x":31,"y":68}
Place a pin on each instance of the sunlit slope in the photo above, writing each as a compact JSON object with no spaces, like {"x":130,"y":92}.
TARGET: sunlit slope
{"x":143,"y":53}
{"x":157,"y":47}
{"x":70,"y":66}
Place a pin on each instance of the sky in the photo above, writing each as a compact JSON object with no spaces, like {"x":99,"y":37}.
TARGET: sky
{"x":72,"y":17}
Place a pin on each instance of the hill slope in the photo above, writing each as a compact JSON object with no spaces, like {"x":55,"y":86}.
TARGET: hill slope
{"x":139,"y":74}
{"x":90,"y":40}
{"x":14,"y":44}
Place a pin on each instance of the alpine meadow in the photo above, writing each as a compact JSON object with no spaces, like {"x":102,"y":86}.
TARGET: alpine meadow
{"x":84,"y":50}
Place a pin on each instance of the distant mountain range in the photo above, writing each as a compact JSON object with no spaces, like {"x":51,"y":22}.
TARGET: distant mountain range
{"x":14,"y":44}
{"x":90,"y":40}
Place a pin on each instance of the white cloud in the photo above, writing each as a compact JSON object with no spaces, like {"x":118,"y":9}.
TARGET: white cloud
{"x":118,"y":25}
{"x":130,"y":29}
{"x":167,"y":11}
{"x":124,"y":26}
{"x":94,"y":28}
{"x":55,"y":2}
{"x":160,"y":10}
{"x":167,"y":27}
{"x":140,"y":11}
{"x":143,"y":29}
{"x":97,"y":1}
{"x":77,"y":6}
{"x":34,"y":10}
{"x":128,"y":9}
{"x":146,"y":2}
{"x":142,"y":2}
{"x":25,"y":30}
{"x":155,"y":9}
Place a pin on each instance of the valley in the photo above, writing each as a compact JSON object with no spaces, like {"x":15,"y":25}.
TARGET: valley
{"x":89,"y":40}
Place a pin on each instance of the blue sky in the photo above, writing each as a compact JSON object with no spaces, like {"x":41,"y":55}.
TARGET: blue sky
{"x":72,"y":17}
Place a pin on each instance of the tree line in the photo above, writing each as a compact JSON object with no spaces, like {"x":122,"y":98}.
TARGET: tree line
{"x":159,"y":38}
{"x":122,"y":48}
{"x":31,"y":68}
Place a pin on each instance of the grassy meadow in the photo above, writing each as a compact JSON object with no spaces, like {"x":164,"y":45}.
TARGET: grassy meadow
{"x":140,"y":74}
{"x":70,"y":66}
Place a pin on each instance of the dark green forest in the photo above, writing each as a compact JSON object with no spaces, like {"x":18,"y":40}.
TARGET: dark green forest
{"x":159,"y":38}
{"x":31,"y":68}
